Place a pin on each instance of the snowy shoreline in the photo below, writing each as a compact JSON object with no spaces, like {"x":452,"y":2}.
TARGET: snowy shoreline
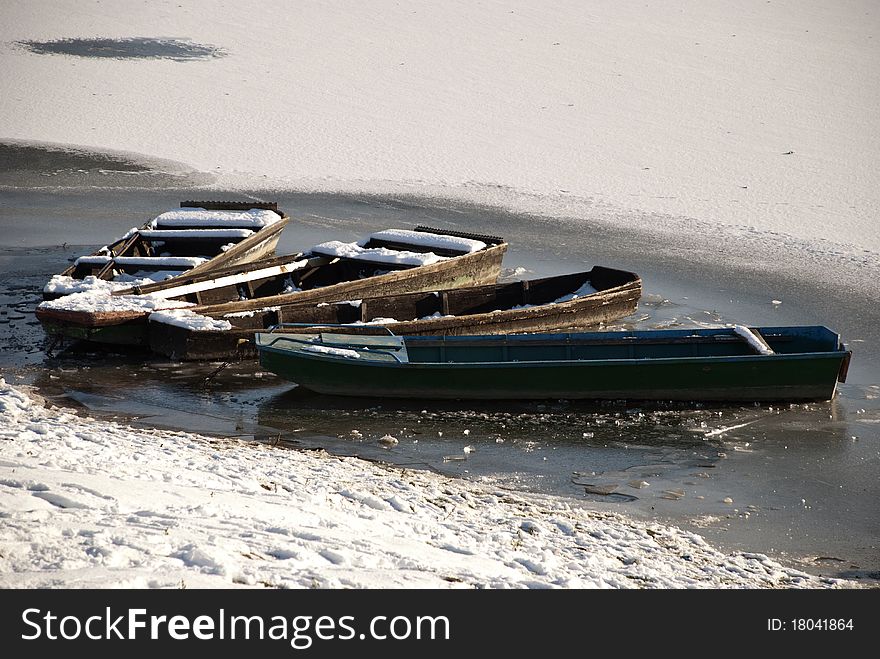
{"x":90,"y":503}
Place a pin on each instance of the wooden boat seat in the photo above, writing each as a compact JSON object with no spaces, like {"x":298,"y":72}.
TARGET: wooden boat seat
{"x":201,"y":226}
{"x":218,"y":215}
{"x":135,"y":263}
{"x":439,"y":242}
{"x":191,"y":242}
{"x":194,"y":234}
{"x":375,"y":348}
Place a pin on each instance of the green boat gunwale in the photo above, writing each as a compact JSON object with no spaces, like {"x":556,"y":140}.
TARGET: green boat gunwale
{"x":318,"y":356}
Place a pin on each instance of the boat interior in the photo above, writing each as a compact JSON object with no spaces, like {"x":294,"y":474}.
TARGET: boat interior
{"x":451,"y":302}
{"x":172,"y":247}
{"x":317,"y":270}
{"x":651,"y":344}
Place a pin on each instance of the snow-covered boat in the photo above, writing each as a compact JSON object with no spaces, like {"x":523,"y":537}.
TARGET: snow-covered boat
{"x":199,"y":237}
{"x":385,"y":263}
{"x":563,"y":302}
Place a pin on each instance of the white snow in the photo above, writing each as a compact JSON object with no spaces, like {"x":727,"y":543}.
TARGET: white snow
{"x":427,"y":239}
{"x":94,"y":259}
{"x":290,"y":287}
{"x":586,"y":289}
{"x":378,"y":320}
{"x":250,"y":314}
{"x":376,"y":254}
{"x":753,"y":339}
{"x":337,"y":352}
{"x":170,"y":234}
{"x":65,"y":285}
{"x":99,"y":301}
{"x":149,"y":261}
{"x":95,"y":504}
{"x":190,"y":320}
{"x":254,"y":218}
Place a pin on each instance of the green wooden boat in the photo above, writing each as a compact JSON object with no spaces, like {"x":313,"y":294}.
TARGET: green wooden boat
{"x":725,"y":364}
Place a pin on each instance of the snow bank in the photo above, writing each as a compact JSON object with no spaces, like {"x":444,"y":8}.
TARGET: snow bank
{"x":91,"y":503}
{"x":376,"y":254}
{"x":426,"y":239}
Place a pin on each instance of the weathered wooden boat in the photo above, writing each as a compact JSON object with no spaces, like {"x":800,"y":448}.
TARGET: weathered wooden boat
{"x":386,"y":263}
{"x":727,"y":364}
{"x":564,"y":302}
{"x":200,"y":237}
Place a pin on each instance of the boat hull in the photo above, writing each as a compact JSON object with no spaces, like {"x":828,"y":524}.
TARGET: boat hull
{"x":473,"y":269}
{"x":130,"y":333}
{"x":592,"y":310}
{"x":811,"y":376}
{"x":131,"y":327}
{"x":759,"y":380}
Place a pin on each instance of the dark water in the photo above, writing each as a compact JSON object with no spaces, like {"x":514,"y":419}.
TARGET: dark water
{"x":801,"y":482}
{"x":179,"y":50}
{"x":22,"y":166}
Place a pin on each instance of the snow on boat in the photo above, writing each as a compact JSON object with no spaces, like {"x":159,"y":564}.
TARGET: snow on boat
{"x":385,"y":263}
{"x":198,"y":237}
{"x":572,"y":301}
{"x":798,"y":364}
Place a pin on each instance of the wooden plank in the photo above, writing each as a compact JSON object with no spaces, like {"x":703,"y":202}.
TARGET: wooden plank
{"x":489,"y":240}
{"x":123,"y":248}
{"x":232,"y":205}
{"x":475,"y":268}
